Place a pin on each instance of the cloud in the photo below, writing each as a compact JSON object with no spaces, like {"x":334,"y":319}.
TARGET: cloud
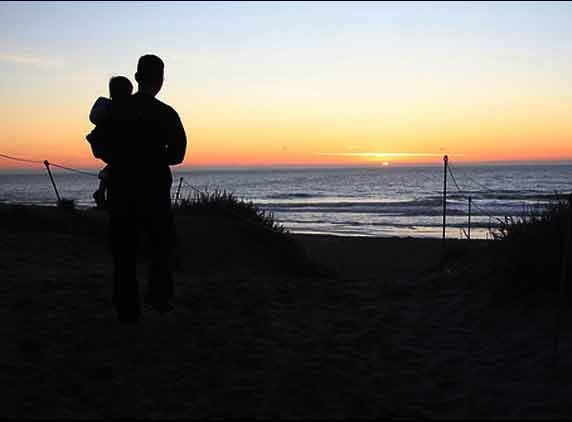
{"x":33,"y":61}
{"x":385,"y":154}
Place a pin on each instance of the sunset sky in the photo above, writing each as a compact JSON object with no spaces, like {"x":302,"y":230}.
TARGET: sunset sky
{"x":287,"y":83}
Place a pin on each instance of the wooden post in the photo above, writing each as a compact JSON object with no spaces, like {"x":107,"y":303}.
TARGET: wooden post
{"x":178,"y":190}
{"x":445,"y":161}
{"x":52,"y":179}
{"x":469,"y":228}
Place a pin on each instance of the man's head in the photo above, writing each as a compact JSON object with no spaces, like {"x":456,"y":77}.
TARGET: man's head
{"x":149,"y":74}
{"x":120,"y":88}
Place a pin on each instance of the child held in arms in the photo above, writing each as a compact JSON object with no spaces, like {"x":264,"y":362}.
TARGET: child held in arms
{"x":120,"y":89}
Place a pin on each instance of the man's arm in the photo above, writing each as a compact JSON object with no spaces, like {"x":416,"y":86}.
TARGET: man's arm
{"x":176,"y":140}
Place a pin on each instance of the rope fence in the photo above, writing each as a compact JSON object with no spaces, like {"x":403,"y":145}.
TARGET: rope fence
{"x":42,"y":162}
{"x":22,"y":160}
{"x":87,"y":173}
{"x":62,"y":201}
{"x":448,"y":173}
{"x":473,"y":202}
{"x":191,"y":186}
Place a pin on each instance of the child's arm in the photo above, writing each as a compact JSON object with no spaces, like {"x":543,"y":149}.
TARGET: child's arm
{"x":96,"y":139}
{"x":100,"y":111}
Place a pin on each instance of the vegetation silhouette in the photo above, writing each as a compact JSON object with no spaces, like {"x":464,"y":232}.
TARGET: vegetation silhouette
{"x":531,"y":251}
{"x":262,"y":232}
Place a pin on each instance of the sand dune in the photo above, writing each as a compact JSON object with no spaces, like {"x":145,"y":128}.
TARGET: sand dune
{"x":388,"y":330}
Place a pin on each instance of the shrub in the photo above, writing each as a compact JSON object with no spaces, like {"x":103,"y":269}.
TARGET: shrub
{"x":222,"y":203}
{"x":532,"y":249}
{"x":266,"y":238}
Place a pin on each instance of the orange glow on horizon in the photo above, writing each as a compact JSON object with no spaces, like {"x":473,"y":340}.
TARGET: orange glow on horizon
{"x":80,"y":157}
{"x":235,"y":157}
{"x":301,"y":141}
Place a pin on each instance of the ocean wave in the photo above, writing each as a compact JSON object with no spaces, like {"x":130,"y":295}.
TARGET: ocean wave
{"x":411,"y":225}
{"x":422,"y":207}
{"x":345,"y":203}
{"x":508,"y":195}
{"x":293,"y":195}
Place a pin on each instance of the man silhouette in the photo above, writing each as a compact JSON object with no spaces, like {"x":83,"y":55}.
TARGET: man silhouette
{"x":147,"y":137}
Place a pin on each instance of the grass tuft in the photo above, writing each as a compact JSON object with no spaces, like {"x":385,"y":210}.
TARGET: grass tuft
{"x":261,"y":233}
{"x":225,"y":204}
{"x":532,"y":250}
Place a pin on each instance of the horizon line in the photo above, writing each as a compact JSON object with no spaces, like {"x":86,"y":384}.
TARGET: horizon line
{"x":214,"y":167}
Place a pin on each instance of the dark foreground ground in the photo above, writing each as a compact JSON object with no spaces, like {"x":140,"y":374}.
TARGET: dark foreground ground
{"x":384,"y":329}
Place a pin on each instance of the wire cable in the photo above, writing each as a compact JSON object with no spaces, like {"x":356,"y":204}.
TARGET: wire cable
{"x":454,"y":180}
{"x":474,"y":181}
{"x":23,"y":160}
{"x":72,"y":169}
{"x":191,"y":186}
{"x":473,"y":202}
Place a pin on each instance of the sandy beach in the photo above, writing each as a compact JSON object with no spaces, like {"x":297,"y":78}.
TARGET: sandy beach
{"x":385,"y":328}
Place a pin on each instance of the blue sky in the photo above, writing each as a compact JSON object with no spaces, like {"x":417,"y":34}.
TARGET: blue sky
{"x":60,"y":31}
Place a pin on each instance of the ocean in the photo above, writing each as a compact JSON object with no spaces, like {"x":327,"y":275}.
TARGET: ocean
{"x":383,"y":201}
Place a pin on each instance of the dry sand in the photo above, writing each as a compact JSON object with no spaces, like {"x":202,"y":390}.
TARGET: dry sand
{"x":390,"y":331}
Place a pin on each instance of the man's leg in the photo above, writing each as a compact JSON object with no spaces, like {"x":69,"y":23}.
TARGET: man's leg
{"x":176,"y":259}
{"x":125,"y":286}
{"x":160,"y":288}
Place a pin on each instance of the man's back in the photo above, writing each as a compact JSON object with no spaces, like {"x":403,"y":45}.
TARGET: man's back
{"x":148,"y":137}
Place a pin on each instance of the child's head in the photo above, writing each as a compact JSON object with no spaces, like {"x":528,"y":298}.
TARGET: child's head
{"x":120,"y":88}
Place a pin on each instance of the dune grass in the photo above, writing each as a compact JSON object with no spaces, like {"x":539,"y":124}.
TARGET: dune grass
{"x":260,"y":227}
{"x":226,"y":204}
{"x":534,"y":248}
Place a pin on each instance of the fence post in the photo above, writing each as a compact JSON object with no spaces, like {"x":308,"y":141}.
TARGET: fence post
{"x":178,"y":190}
{"x":445,"y":161}
{"x":47,"y":164}
{"x":469,"y":228}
